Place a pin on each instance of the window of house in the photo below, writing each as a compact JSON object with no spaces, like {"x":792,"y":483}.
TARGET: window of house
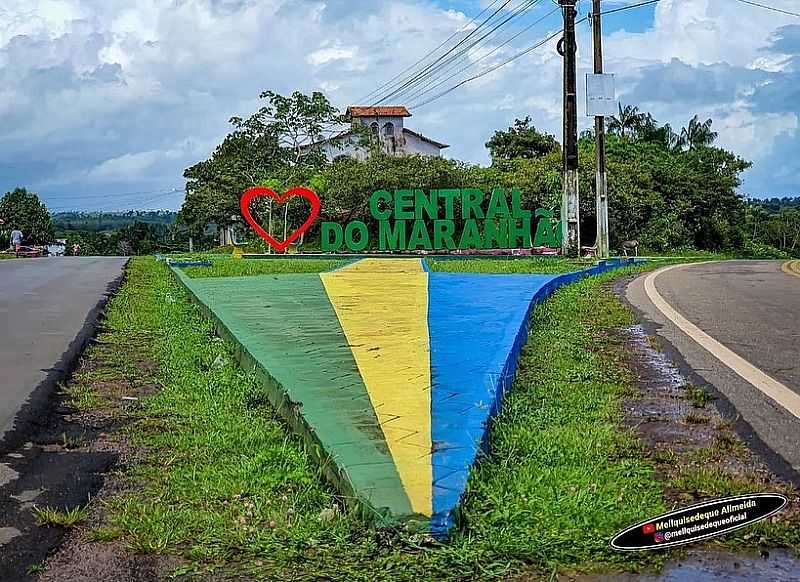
{"x":374,"y":127}
{"x":388,"y":129}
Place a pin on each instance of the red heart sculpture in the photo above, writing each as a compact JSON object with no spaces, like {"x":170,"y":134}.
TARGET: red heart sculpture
{"x":309,"y":195}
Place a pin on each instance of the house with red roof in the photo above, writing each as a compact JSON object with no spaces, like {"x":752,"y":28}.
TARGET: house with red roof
{"x":387,"y":125}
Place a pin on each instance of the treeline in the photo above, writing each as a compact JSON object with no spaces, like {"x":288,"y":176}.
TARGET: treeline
{"x":110,"y":221}
{"x":669,"y":189}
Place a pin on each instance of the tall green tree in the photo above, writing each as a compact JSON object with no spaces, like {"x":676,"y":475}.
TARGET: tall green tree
{"x":521,"y":141}
{"x":279,"y":145}
{"x":697,"y":133}
{"x":627,"y":120}
{"x":23,"y":210}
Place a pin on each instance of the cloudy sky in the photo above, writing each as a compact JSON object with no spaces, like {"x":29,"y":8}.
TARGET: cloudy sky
{"x":103,"y":103}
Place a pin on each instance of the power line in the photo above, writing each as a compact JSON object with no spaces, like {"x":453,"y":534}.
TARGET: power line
{"x":85,"y":196}
{"x":429,"y":54}
{"x":158,"y":194}
{"x":452,"y":61}
{"x":521,"y":54}
{"x":630,"y":7}
{"x":772,"y":8}
{"x":417,"y":88}
{"x":438,"y":78}
{"x":426,"y":70}
{"x":417,"y":95}
{"x":491,"y":69}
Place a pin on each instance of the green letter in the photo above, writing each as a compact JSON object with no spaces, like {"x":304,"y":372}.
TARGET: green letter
{"x":403,"y":205}
{"x":495,"y":236}
{"x":443,"y":231}
{"x":547,"y":230}
{"x":470,"y":237}
{"x":328,"y":229}
{"x":449,"y":197}
{"x":363,"y":237}
{"x":515,"y":232}
{"x":419,"y":236}
{"x":426,"y":203}
{"x":516,"y":205}
{"x":471,"y":200}
{"x":376,"y":197}
{"x":392,"y":239}
{"x":498,"y":206}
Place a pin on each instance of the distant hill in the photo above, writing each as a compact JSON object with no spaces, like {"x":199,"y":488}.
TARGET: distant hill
{"x":110,"y":221}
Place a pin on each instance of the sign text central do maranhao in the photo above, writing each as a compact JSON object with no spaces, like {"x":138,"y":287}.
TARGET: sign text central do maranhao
{"x":410,"y":220}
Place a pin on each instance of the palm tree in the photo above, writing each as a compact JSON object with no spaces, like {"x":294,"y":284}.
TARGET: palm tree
{"x":629,"y":118}
{"x":697,"y":134}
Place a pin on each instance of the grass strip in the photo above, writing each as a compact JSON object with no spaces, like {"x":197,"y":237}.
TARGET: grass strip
{"x":532,"y":265}
{"x":229,"y":267}
{"x":226,"y":488}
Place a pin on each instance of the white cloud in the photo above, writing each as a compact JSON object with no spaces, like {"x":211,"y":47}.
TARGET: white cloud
{"x":326,"y":55}
{"x":94,"y":95}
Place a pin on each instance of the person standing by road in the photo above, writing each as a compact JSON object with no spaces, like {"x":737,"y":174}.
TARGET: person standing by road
{"x":16,"y":239}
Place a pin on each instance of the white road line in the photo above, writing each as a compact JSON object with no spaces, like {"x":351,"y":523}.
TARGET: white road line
{"x":775,"y":390}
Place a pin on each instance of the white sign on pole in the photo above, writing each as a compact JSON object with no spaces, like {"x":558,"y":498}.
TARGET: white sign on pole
{"x":601,"y":98}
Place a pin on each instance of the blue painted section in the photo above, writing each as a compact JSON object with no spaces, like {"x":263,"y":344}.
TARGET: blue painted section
{"x":478,"y":325}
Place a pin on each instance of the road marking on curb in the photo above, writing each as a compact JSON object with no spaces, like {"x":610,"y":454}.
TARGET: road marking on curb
{"x":775,"y":390}
{"x":791,"y":268}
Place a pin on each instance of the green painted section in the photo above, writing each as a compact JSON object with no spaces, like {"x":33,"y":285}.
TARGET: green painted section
{"x":285,"y":329}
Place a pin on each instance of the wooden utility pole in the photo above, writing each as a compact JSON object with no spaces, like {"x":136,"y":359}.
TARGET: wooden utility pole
{"x":601,"y":242}
{"x":570,"y":206}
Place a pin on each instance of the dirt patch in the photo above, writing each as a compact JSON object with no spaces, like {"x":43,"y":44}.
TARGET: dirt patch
{"x":82,"y":561}
{"x":680,"y":426}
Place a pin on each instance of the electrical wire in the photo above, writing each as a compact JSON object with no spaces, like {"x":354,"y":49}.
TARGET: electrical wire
{"x":630,"y":7}
{"x":429,"y":54}
{"x":521,"y":54}
{"x":435,"y":64}
{"x":439,"y":78}
{"x":490,"y":53}
{"x":412,"y":92}
{"x":772,"y":8}
{"x":492,"y":69}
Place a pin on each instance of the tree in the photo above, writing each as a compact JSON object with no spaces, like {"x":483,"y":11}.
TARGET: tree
{"x":629,"y":119}
{"x":522,"y":140}
{"x":697,"y":134}
{"x":23,"y":210}
{"x":279,"y":146}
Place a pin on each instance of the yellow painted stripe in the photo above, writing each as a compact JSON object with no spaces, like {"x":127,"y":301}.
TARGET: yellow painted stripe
{"x":384,"y":266}
{"x":792,"y":268}
{"x":382,"y":305}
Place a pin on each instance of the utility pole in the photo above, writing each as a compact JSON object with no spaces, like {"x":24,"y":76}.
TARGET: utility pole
{"x":570,"y":209}
{"x":601,"y":242}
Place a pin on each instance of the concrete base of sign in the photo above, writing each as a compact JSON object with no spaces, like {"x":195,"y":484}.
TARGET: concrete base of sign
{"x":390,"y":373}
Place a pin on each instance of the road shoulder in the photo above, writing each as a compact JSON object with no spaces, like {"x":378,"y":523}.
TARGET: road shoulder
{"x":767,"y":428}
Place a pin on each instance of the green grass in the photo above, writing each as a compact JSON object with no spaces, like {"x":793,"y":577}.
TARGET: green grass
{"x":229,"y":267}
{"x":532,"y":265}
{"x":224,"y":484}
{"x":698,"y":395}
{"x":49,"y":516}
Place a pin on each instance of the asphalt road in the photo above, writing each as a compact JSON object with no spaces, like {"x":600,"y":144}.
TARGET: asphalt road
{"x":45,"y":305}
{"x":752,"y":308}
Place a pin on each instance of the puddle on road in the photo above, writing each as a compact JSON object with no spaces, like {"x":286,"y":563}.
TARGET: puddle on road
{"x":702,"y":566}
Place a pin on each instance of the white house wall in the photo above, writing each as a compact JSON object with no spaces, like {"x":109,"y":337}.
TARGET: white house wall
{"x":415,"y":145}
